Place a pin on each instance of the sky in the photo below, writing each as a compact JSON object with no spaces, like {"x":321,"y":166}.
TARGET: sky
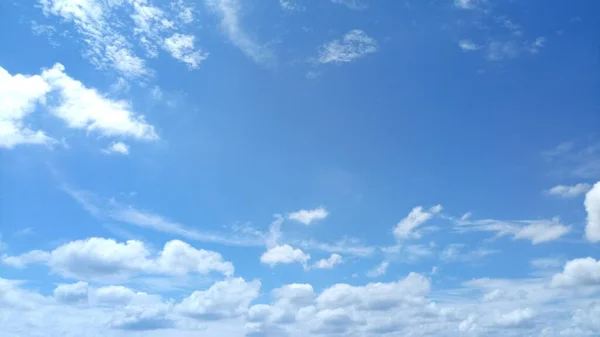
{"x":292,"y":168}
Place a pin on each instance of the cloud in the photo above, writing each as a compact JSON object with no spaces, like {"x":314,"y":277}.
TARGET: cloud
{"x":110,"y":209}
{"x":536,"y":231}
{"x":466,"y":4}
{"x":307,"y":217}
{"x":106,"y":259}
{"x":457,"y":253}
{"x":284,"y":254}
{"x":72,"y":293}
{"x":291,"y":5}
{"x":578,"y":272}
{"x":592,"y":207}
{"x":346,"y":246}
{"x":107,"y":47}
{"x":118,"y":148}
{"x":224,"y":299}
{"x":515,"y":318}
{"x":229,"y":14}
{"x":330,"y":262}
{"x":468,"y":45}
{"x":352,"y":4}
{"x":568,"y":191}
{"x":405,"y":228}
{"x":19,"y":95}
{"x":378,"y":270}
{"x":353,"y":46}
{"x":182,"y":48}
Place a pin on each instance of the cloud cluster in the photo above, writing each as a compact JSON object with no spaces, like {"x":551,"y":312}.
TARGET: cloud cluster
{"x":354,"y":45}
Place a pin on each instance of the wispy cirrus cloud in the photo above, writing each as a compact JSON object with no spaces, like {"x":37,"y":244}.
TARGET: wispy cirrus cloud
{"x":354,"y":45}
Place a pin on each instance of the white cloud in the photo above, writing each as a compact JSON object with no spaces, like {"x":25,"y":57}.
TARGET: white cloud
{"x":569,"y":191}
{"x":578,"y":272}
{"x":546,"y":263}
{"x":405,"y":228}
{"x":229,"y":13}
{"x":378,"y":270}
{"x":284,"y":254}
{"x":592,"y":207}
{"x":107,"y":47}
{"x":466,"y":4}
{"x":224,"y":299}
{"x":307,"y":217}
{"x":84,"y":108}
{"x":501,"y":50}
{"x":346,"y":246}
{"x":468,"y":45}
{"x":182,"y":48}
{"x":72,"y":293}
{"x":353,"y":46}
{"x":539,"y":43}
{"x":106,"y":259}
{"x":117,"y":295}
{"x":19,"y":95}
{"x":330,"y":262}
{"x":291,"y":5}
{"x":117,"y":147}
{"x":352,"y":4}
{"x":537,"y":231}
{"x":515,"y":318}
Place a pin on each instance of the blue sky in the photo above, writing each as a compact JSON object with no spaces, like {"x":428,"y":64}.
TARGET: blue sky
{"x":299,"y":168}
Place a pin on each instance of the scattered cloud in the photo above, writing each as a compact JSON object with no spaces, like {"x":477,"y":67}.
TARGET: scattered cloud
{"x":106,"y":259}
{"x":352,"y":4}
{"x":182,"y":48}
{"x":457,"y":253}
{"x":291,"y":5}
{"x":515,"y":318}
{"x":330,"y":262}
{"x":378,"y":270}
{"x":405,"y":229}
{"x":284,"y":254}
{"x":592,"y":207}
{"x":466,"y":4}
{"x":536,"y":231}
{"x":307,"y":217}
{"x":229,"y":14}
{"x":118,"y":148}
{"x":468,"y":45}
{"x":571,"y":191}
{"x":353,"y":46}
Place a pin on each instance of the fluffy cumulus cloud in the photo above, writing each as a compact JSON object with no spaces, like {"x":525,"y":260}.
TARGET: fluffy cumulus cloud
{"x":354,"y":45}
{"x":224,"y":299}
{"x":106,"y":259}
{"x":80,"y":107}
{"x":405,"y":229}
{"x":592,"y":207}
{"x":72,"y":293}
{"x":579,"y":272}
{"x":284,"y":254}
{"x":307,"y":217}
{"x":117,"y":148}
{"x":330,"y":262}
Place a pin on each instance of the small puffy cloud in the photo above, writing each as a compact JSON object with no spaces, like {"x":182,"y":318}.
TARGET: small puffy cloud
{"x":182,"y":48}
{"x":72,"y":293}
{"x":107,"y":259}
{"x":143,"y":317}
{"x":566,"y":191}
{"x":330,"y":262}
{"x":467,"y":4}
{"x":284,"y":254}
{"x":515,"y":318}
{"x":578,"y":272}
{"x":378,"y":270}
{"x":592,"y":207}
{"x":353,"y":46}
{"x":418,"y":216}
{"x":541,"y":232}
{"x":307,"y":217}
{"x":468,"y":45}
{"x":118,"y":148}
{"x":114,"y":295}
{"x":291,"y":5}
{"x":224,"y":299}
